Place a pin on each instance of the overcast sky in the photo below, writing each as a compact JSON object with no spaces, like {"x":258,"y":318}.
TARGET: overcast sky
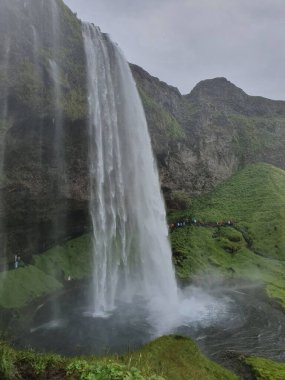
{"x":185,"y":41}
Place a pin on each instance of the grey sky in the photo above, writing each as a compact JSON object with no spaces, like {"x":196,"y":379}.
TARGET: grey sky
{"x":185,"y":41}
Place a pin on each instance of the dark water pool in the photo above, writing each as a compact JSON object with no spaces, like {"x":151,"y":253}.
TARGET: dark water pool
{"x":232,"y":318}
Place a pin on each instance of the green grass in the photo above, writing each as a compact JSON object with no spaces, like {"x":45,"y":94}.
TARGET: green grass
{"x":174,"y":358}
{"x":8,"y":358}
{"x":255,"y":247}
{"x":264,"y":369}
{"x":72,"y":258}
{"x":47,"y":274}
{"x":20,"y":287}
{"x":255,"y":199}
{"x":169,"y":358}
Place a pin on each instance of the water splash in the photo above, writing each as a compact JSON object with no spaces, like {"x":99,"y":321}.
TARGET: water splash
{"x":132,"y":255}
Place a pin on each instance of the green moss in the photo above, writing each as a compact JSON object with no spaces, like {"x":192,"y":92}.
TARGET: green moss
{"x":254,"y":199}
{"x":27,"y":85}
{"x":175,"y":357}
{"x":264,"y":369}
{"x":72,"y":258}
{"x":21,"y":286}
{"x":254,"y":248}
{"x":276,"y":290}
{"x":255,"y":134}
{"x":181,"y":198}
{"x":29,"y":81}
{"x":47,"y":274}
{"x":70,"y":23}
{"x":163,"y":120}
{"x":75,"y":104}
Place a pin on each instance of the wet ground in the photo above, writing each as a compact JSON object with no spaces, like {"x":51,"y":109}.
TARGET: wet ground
{"x":231,"y":318}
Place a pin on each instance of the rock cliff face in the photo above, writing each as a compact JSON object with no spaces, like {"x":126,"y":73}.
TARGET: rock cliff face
{"x":199,"y":139}
{"x":218,"y":130}
{"x":39,"y":203}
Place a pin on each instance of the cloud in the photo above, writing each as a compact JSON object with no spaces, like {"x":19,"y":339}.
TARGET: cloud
{"x":185,"y":41}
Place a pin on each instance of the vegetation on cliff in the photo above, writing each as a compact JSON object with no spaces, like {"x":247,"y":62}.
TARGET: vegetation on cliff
{"x":223,"y":130}
{"x":30,"y":53}
{"x":253,"y":247}
{"x":165,"y":122}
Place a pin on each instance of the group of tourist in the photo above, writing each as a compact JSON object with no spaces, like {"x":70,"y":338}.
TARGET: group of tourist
{"x":194,"y":221}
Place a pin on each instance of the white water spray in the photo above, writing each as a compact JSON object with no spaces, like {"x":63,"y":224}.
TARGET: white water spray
{"x":132,"y":255}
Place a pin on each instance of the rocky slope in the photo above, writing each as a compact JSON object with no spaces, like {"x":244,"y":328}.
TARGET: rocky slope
{"x":202,"y":138}
{"x":199,"y":139}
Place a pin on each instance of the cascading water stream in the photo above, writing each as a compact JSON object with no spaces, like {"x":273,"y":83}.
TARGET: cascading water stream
{"x":4,"y":122}
{"x":132,"y":255}
{"x":56,"y":75}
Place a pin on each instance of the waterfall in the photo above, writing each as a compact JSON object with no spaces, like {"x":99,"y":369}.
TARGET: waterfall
{"x":4,"y":122}
{"x":56,"y":75}
{"x":132,"y":255}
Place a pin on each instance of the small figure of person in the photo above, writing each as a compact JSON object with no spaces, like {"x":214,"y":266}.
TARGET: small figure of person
{"x":20,"y":262}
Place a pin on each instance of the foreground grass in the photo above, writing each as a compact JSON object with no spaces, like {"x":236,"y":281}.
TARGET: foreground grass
{"x":264,"y":369}
{"x":169,"y":358}
{"x":254,"y":248}
{"x":175,"y":357}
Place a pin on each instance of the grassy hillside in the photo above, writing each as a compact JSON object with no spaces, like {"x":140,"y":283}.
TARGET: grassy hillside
{"x":47,"y":273}
{"x":254,"y":247}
